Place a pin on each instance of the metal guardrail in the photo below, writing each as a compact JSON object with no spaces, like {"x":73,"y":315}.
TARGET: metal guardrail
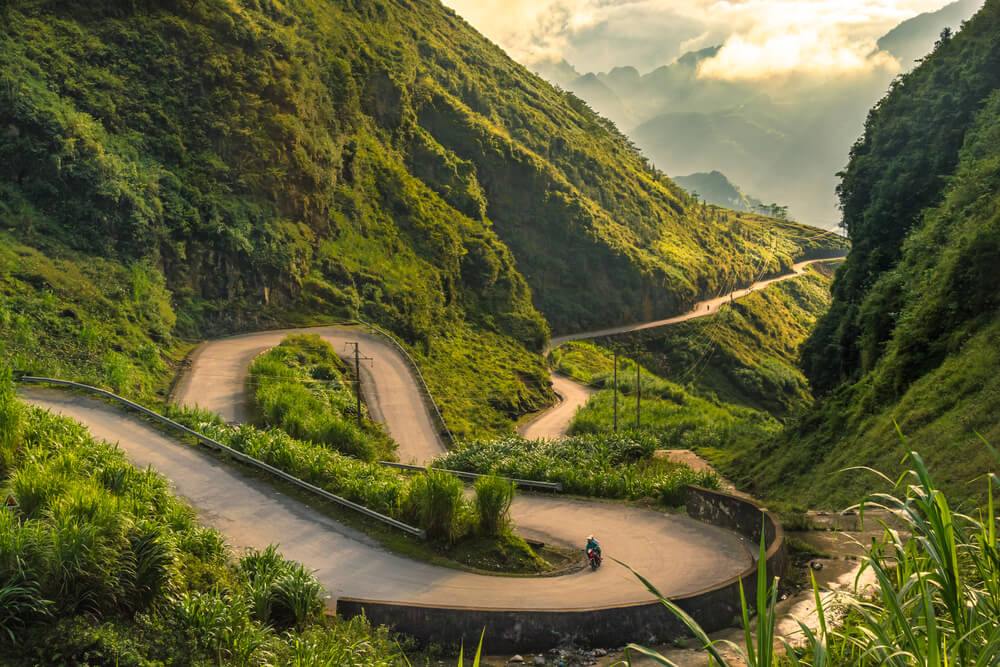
{"x":552,"y":486}
{"x":239,"y":456}
{"x":442,"y":426}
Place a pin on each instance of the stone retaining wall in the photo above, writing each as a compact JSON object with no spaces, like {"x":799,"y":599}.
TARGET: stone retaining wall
{"x":715,"y":607}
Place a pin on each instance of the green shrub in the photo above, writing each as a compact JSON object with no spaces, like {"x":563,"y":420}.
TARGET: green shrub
{"x":606,"y":466}
{"x":494,"y":496}
{"x":301,"y":388}
{"x":10,"y":420}
{"x":435,"y":501}
{"x":283,"y":593}
{"x":104,"y":566}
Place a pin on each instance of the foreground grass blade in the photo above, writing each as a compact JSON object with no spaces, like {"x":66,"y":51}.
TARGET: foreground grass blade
{"x":692,"y":624}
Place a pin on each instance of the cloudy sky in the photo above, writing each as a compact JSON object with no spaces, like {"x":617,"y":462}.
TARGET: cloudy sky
{"x":762,"y":38}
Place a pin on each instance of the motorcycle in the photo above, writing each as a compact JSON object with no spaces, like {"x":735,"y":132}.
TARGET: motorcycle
{"x":594,"y":557}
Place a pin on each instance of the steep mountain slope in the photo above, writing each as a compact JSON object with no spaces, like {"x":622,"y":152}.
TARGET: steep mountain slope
{"x":745,"y":354}
{"x":284,"y":162}
{"x":912,"y":337}
{"x":899,"y":168}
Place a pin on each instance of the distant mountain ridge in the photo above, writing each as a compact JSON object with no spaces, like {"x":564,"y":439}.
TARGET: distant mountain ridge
{"x":715,"y":188}
{"x":782,"y":149}
{"x":914,"y":38}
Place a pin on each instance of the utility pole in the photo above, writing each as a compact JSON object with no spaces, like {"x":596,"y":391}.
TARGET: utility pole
{"x":638,"y":391}
{"x":616,"y":391}
{"x":357,"y":374}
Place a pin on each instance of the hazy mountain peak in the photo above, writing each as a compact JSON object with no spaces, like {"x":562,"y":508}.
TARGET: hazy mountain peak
{"x":693,"y":58}
{"x":915,"y":37}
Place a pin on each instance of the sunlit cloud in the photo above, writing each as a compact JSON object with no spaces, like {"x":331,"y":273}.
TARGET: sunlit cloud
{"x":760,"y":38}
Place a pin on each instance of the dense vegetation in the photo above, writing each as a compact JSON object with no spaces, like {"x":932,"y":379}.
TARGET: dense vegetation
{"x":88,"y":319}
{"x":263,"y":162}
{"x":304,"y":388}
{"x":670,"y":416}
{"x":935,"y":600}
{"x":746,"y":353}
{"x":912,"y":335}
{"x":898,"y":170}
{"x":101,"y":564}
{"x":432,"y":501}
{"x":605,"y":467}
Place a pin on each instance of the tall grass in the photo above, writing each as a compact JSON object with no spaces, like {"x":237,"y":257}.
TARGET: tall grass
{"x":436,"y":501}
{"x":301,"y":387}
{"x":494,"y":496}
{"x":10,"y":420}
{"x":606,"y":466}
{"x":101,"y":564}
{"x":938,"y":580}
{"x":433,"y":501}
{"x":936,"y":600}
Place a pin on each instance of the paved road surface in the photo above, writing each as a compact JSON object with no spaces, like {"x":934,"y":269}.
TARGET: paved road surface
{"x":554,"y":422}
{"x":217,"y":381}
{"x":701,"y":309}
{"x":678,"y":554}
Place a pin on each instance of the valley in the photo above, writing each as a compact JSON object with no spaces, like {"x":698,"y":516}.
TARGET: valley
{"x":360,"y":329}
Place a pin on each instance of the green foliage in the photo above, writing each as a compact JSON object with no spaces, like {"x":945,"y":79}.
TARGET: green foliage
{"x":103,"y":565}
{"x":901,"y":167}
{"x":938,"y":581}
{"x":374,"y":486}
{"x":435,"y":500}
{"x":670,"y":416}
{"x":929,"y":344}
{"x":481,"y":381}
{"x":608,"y":466}
{"x":746,"y":353}
{"x":88,"y":319}
{"x":284,"y":594}
{"x":11,"y":420}
{"x":301,"y":387}
{"x":493,"y":499}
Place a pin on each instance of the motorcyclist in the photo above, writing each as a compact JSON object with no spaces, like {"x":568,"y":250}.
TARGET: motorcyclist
{"x":592,"y":545}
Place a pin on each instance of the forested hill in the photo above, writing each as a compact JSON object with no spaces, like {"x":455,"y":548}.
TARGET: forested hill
{"x":913,"y":335}
{"x":373,"y":157}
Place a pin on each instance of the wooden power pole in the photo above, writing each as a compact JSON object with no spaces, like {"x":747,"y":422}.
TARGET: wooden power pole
{"x":638,"y":392}
{"x":616,"y":391}
{"x":357,"y":375}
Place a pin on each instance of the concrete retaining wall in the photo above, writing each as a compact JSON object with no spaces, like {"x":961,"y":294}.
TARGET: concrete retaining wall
{"x":715,"y":607}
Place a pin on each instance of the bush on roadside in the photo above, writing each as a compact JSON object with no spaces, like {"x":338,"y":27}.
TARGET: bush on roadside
{"x":301,"y":387}
{"x":435,"y":501}
{"x":494,"y":496}
{"x":605,"y":466}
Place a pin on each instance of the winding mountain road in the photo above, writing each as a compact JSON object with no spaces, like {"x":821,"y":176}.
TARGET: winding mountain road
{"x":554,"y":422}
{"x":676,"y":553}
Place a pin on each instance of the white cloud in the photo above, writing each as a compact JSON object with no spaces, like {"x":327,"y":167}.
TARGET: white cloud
{"x":761,"y":38}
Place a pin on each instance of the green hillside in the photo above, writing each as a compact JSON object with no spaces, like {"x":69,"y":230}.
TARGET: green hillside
{"x":746,"y":353}
{"x":268,"y":163}
{"x":912,"y":334}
